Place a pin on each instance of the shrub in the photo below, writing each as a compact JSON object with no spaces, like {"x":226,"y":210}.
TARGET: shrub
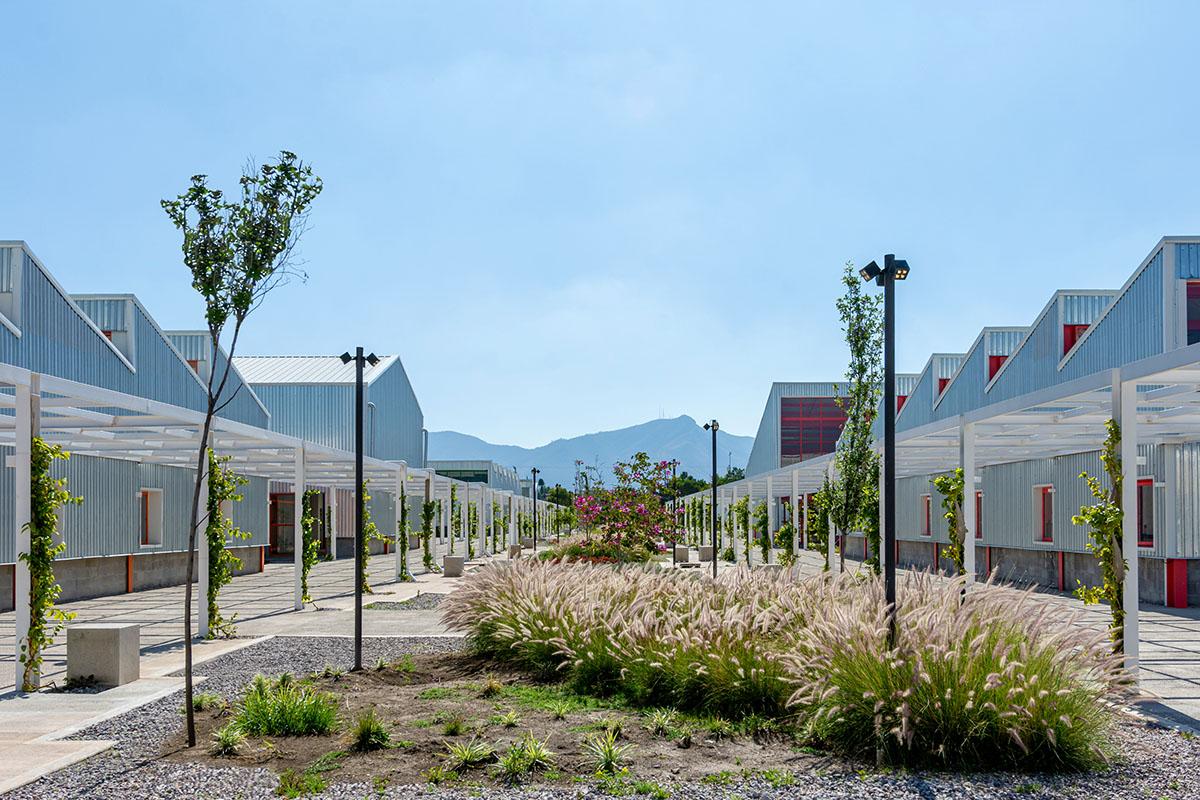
{"x":604,"y":752}
{"x":369,"y":733}
{"x":509,"y":719}
{"x":227,"y":740}
{"x":465,"y":755}
{"x":662,"y":721}
{"x":454,"y":726}
{"x":285,"y":708}
{"x":526,"y":755}
{"x":996,"y":673}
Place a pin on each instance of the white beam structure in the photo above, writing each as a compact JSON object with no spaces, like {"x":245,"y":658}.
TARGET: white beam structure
{"x":966,"y":459}
{"x":1125,"y":412}
{"x":299,"y":481}
{"x":202,"y":621}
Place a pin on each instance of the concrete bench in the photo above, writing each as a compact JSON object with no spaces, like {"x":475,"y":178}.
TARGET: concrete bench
{"x":452,"y":566}
{"x":527,"y":542}
{"x":108,"y":652}
{"x":514,"y":551}
{"x":682,"y":553}
{"x":706,"y":552}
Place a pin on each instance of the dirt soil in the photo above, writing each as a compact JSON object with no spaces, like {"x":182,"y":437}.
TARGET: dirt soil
{"x":417,"y":702}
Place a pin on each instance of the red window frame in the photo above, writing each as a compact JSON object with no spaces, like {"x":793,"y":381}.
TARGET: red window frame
{"x":926,"y":521}
{"x":994,"y":365}
{"x":1045,"y":514}
{"x":942,"y":384}
{"x":194,"y":363}
{"x":107,"y":335}
{"x":1071,"y":335}
{"x":900,"y":398}
{"x":275,"y":511}
{"x":1145,"y":512}
{"x":978,"y":514}
{"x":1193,"y":312}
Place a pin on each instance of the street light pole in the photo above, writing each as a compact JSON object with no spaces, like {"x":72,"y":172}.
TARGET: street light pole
{"x":713,"y":426}
{"x":359,"y":360}
{"x":894,"y":269}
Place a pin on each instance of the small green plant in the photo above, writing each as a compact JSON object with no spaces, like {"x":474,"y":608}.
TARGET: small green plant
{"x":404,"y":664}
{"x":950,"y":487}
{"x":223,"y":486}
{"x":654,"y":790}
{"x":662,"y":721}
{"x":778,"y":778}
{"x":465,"y":755}
{"x":491,"y":687}
{"x":437,"y":693}
{"x":294,"y":784}
{"x":560,"y":709}
{"x":438,"y":775}
{"x":285,"y":708}
{"x":526,"y":755}
{"x":719,"y":728}
{"x":1104,"y":520}
{"x":227,"y":740}
{"x":381,"y":664}
{"x":206,"y":700}
{"x":332,"y":673}
{"x":722,"y":778}
{"x":509,"y":719}
{"x":612,"y":725}
{"x":369,"y":733}
{"x":454,"y":726}
{"x":428,"y":509}
{"x":605,"y":753}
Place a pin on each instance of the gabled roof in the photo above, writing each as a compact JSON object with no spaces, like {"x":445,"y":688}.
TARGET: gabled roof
{"x":305,"y":369}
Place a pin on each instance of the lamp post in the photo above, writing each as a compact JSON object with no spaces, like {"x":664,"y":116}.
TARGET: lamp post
{"x":713,"y":426}
{"x":894,"y":269}
{"x":674,"y":509}
{"x":359,"y":360}
{"x":533,"y":491}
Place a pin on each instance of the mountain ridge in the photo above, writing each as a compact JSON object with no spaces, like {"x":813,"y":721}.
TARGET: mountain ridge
{"x":679,"y":437}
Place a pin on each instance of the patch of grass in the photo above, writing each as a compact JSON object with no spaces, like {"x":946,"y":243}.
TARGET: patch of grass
{"x":524,"y":756}
{"x":369,"y":733}
{"x":560,"y":709}
{"x":605,"y":753}
{"x":462,"y":756}
{"x":555,"y":698}
{"x":381,"y":664}
{"x":454,"y":726}
{"x":491,"y":687}
{"x":294,"y":784}
{"x":777,"y":778}
{"x":662,"y":721}
{"x":654,"y":790}
{"x":227,"y":740}
{"x":439,"y":693}
{"x":1029,"y":787}
{"x":404,"y":664}
{"x":285,"y":708}
{"x":438,"y":775}
{"x":722,"y":778}
{"x":206,"y":700}
{"x":327,"y":762}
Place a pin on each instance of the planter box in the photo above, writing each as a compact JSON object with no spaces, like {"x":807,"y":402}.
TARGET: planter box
{"x":452,"y":566}
{"x":682,"y":553}
{"x":706,"y":552}
{"x":107,"y":651}
{"x":527,"y":542}
{"x":514,"y":551}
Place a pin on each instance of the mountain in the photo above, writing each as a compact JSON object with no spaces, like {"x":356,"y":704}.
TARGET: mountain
{"x":663,"y":439}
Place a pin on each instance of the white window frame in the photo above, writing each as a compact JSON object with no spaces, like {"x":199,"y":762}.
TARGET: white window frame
{"x":1036,"y":508}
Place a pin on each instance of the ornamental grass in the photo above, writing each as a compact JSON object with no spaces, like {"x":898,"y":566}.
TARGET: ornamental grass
{"x":996,"y":679}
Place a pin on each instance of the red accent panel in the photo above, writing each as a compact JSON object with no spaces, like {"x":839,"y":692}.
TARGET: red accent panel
{"x":1071,"y":334}
{"x":994,"y":365}
{"x":128,"y":574}
{"x":1062,"y":572}
{"x":900,"y":398}
{"x":1193,"y":312}
{"x":262,"y":558}
{"x":942,"y":383}
{"x":1177,"y":593}
{"x":989,"y":560}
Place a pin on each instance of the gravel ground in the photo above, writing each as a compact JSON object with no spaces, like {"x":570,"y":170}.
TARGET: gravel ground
{"x":1158,"y":763}
{"x":422,"y":602}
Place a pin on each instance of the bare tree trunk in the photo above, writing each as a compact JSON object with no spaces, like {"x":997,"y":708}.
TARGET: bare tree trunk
{"x":201,"y":466}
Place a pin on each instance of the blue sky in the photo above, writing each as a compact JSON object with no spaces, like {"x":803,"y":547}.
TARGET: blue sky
{"x":569,"y":217}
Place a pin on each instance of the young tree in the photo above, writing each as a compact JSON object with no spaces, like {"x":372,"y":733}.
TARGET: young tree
{"x":237,"y":252}
{"x":1104,"y":519}
{"x":857,"y":464}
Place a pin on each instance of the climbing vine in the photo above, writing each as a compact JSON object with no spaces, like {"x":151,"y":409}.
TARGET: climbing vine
{"x":472,"y":525}
{"x":47,"y":495}
{"x":455,"y":517}
{"x":493,"y":529}
{"x":785,"y":541}
{"x":370,"y":533}
{"x":1104,"y":518}
{"x":223,"y":485}
{"x":402,"y":532}
{"x":741,"y":510}
{"x":428,"y":509}
{"x":817,"y":524}
{"x":951,"y":489}
{"x":762,"y":523}
{"x":311,"y":542}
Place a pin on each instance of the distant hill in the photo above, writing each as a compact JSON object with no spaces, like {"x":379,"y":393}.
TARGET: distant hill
{"x":663,"y":439}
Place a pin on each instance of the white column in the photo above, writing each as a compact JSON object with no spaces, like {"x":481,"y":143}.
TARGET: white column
{"x":966,"y":458}
{"x":829,"y":544}
{"x":23,"y":507}
{"x":797,"y":520}
{"x":770,"y":513}
{"x":401,"y":549}
{"x":202,"y":620}
{"x":1126,"y":400}
{"x":804,"y":514}
{"x":297,"y":529}
{"x":333,"y":521}
{"x":512,"y":519}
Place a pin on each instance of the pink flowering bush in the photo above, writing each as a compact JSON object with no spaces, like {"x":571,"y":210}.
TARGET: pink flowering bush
{"x":632,"y":513}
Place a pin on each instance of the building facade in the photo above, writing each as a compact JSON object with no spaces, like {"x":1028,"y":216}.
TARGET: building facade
{"x":800,"y":421}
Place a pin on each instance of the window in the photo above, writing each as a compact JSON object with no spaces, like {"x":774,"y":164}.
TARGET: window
{"x":808,"y":426}
{"x":1043,"y":513}
{"x":926,"y":530}
{"x":150,"y":517}
{"x":942,"y":383}
{"x":978,"y":515}
{"x":994,"y":365}
{"x":1193,"y":312}
{"x":107,"y":335}
{"x":1071,"y":335}
{"x":1145,"y":512}
{"x":900,"y":398}
{"x":194,"y":363}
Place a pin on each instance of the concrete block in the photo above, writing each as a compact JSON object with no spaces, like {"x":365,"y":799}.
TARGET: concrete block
{"x":682,"y":553}
{"x":452,"y":566}
{"x":109,"y":651}
{"x":514,"y":551}
{"x":706,"y":552}
{"x":527,"y":542}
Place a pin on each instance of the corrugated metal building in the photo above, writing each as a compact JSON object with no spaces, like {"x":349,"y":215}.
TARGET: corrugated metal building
{"x":495,"y":476}
{"x":800,"y":421}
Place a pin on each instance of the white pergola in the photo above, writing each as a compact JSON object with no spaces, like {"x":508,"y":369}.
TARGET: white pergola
{"x":91,"y":420}
{"x":1155,"y":400}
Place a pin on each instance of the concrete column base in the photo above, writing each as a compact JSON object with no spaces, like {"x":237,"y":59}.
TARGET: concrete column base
{"x":682,"y":554}
{"x":706,"y":552}
{"x":107,"y":651}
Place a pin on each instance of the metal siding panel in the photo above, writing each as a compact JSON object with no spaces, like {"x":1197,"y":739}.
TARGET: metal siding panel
{"x":1132,"y":328}
{"x":966,"y":391}
{"x":397,"y":419}
{"x":1187,"y":465}
{"x":946,"y":365}
{"x":108,"y":313}
{"x":1002,"y":343}
{"x":918,"y":408}
{"x":1187,"y":261}
{"x":323,"y":414}
{"x":9,"y":258}
{"x":1083,"y":309}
